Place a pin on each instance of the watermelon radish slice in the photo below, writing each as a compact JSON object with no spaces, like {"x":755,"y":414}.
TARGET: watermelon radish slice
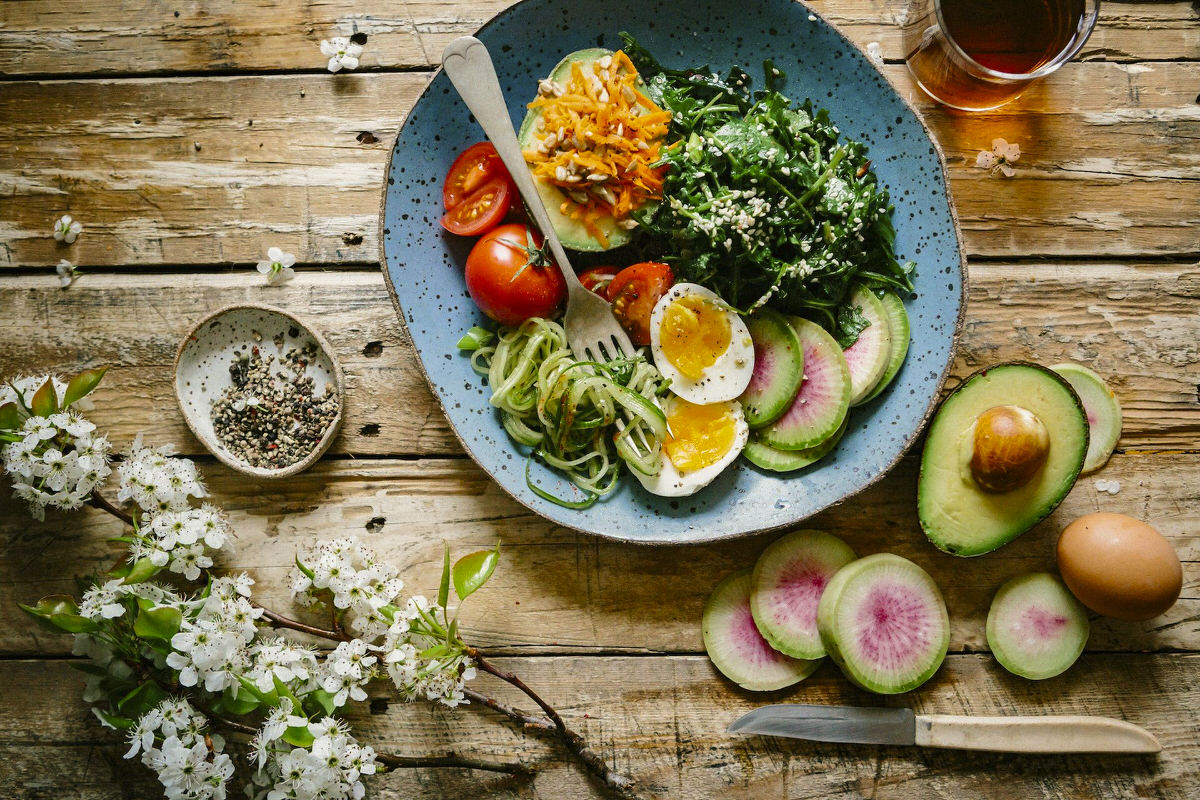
{"x":899,"y":330}
{"x":778,"y":368}
{"x":763,"y":456}
{"x":824,"y":397}
{"x":1102,"y":409}
{"x":736,"y":647}
{"x":789,"y":578}
{"x":1035,"y":627}
{"x":883,"y":621}
{"x":869,"y":356}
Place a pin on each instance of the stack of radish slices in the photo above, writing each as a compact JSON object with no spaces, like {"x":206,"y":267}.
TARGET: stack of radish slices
{"x":804,"y":383}
{"x":880,"y":618}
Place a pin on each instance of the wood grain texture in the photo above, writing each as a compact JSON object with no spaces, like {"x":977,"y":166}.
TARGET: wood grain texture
{"x":558,"y":591}
{"x":1133,"y":324}
{"x":185,"y":171}
{"x":662,"y":720}
{"x":41,"y":37}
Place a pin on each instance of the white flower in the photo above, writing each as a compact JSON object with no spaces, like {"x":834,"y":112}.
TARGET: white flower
{"x":346,"y":670}
{"x":156,"y":481}
{"x":999,"y":158}
{"x":275,"y":725}
{"x":67,"y":273}
{"x":277,"y":266}
{"x":349,"y":575}
{"x":57,"y":463}
{"x":190,"y":762}
{"x":331,"y":769}
{"x":67,"y":230}
{"x":281,"y":658}
{"x":441,"y":681}
{"x":342,"y":53}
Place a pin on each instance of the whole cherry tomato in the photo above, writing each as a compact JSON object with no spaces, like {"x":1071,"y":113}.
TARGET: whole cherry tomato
{"x":511,"y":278}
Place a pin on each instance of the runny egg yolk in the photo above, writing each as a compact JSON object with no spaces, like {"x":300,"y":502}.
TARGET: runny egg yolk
{"x":693,"y":334}
{"x":698,"y":436}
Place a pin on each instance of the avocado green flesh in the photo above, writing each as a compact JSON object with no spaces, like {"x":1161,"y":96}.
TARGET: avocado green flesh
{"x":956,"y":513}
{"x":572,"y":233}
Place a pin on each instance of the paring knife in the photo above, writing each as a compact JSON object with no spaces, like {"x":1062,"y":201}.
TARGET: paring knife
{"x":1050,"y":734}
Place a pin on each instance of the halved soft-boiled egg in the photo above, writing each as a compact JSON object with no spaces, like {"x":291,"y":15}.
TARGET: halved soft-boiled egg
{"x":701,"y":441}
{"x":701,"y":345}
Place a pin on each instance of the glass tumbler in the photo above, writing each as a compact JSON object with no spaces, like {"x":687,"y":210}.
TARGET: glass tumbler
{"x":977,"y":55}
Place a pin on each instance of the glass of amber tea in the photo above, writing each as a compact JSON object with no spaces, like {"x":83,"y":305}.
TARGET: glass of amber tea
{"x":980,"y":54}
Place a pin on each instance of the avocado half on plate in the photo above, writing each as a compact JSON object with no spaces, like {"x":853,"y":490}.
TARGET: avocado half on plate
{"x":571,"y":232}
{"x":1002,"y":452}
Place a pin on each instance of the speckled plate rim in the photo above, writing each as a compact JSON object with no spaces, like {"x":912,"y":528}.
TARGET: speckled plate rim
{"x":339,"y":388}
{"x":706,"y":536}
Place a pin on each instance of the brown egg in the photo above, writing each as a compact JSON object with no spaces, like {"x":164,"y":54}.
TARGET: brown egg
{"x":1119,"y":566}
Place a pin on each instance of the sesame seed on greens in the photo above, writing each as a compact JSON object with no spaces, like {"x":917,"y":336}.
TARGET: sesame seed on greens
{"x":764,"y":203}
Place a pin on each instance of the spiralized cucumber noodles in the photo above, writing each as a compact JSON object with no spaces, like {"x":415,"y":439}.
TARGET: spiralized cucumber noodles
{"x":581,"y":417}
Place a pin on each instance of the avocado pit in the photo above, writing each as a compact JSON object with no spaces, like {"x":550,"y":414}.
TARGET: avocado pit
{"x":1010,"y":445}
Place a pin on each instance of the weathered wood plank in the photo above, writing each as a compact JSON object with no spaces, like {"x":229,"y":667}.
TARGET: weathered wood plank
{"x":557,"y":590}
{"x":157,"y":169}
{"x":1134,"y":324}
{"x":662,"y":720}
{"x":41,"y":37}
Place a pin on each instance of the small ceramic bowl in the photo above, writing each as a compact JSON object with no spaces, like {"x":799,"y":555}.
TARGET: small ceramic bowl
{"x":202,"y":373}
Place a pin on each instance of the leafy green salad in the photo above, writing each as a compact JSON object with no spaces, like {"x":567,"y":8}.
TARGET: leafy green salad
{"x":764,"y":203}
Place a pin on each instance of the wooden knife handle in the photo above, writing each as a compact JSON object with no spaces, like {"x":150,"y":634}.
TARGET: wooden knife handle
{"x":1034,"y":734}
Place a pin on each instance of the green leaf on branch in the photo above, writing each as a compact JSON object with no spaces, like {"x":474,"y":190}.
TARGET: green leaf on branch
{"x":112,"y":720}
{"x":270,"y":698}
{"x":307,"y":572}
{"x":58,"y":613}
{"x":158,"y":623}
{"x":10,"y":417}
{"x":45,"y":400}
{"x":436,"y":651}
{"x":472,"y":571}
{"x":82,"y":385}
{"x":324,"y":699}
{"x":142,"y":699}
{"x":141,"y":570}
{"x":444,"y":587}
{"x":298,"y":737}
{"x":244,"y":703}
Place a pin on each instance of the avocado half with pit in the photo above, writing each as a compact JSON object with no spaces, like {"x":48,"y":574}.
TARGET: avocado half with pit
{"x":1002,"y":452}
{"x":571,"y":232}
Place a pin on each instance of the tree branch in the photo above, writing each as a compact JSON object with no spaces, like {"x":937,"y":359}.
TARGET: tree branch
{"x":620,"y":784}
{"x":101,"y":502}
{"x":516,"y":715}
{"x":280,"y":621}
{"x":409,"y":762}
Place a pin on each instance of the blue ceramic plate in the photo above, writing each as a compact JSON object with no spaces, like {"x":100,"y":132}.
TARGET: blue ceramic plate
{"x":424,"y":265}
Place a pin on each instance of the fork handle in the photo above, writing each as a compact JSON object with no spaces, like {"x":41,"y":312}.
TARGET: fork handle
{"x":468,"y":64}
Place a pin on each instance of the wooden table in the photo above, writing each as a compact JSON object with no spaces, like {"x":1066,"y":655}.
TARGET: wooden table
{"x":190,"y":136}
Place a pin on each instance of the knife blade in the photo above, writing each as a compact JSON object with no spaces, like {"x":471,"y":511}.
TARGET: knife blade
{"x":900,"y":726}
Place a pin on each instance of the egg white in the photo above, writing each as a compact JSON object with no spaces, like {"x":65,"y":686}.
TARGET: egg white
{"x":670,"y":482}
{"x":728,"y":376}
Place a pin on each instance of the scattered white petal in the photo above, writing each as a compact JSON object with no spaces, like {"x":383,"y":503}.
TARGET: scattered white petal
{"x":342,"y":53}
{"x":277,"y":266}
{"x":875,"y":53}
{"x":66,"y":273}
{"x":67,"y":230}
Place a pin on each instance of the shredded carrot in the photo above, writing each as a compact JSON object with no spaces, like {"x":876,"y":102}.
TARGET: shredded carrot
{"x":597,"y":138}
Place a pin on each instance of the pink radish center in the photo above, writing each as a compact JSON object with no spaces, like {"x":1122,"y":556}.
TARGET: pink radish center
{"x":863,"y":347}
{"x":893,"y":626}
{"x":764,"y":365}
{"x":799,"y":593}
{"x":1037,"y":628}
{"x":752,"y":647}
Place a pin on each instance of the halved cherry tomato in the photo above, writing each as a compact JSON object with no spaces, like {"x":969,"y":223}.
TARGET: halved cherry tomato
{"x":476,"y":165}
{"x":634,"y":292}
{"x":598,"y":279}
{"x":482,"y":210}
{"x":506,"y":280}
